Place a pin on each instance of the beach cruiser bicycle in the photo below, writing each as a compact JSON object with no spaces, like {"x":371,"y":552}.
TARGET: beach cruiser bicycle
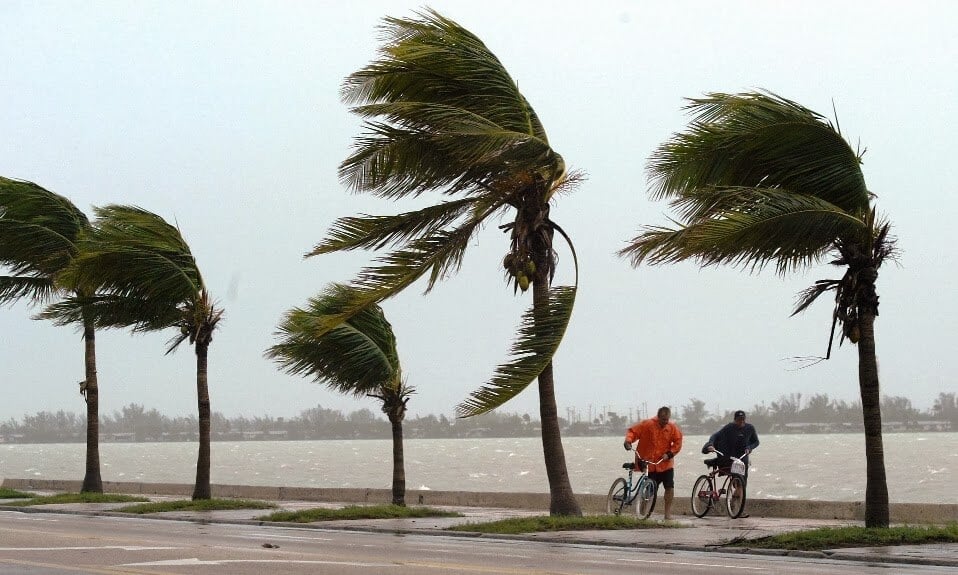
{"x":711,"y":488}
{"x":641,"y":494}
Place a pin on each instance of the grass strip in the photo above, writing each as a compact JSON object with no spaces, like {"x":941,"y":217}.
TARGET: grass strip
{"x":6,"y":493}
{"x":198,"y":505}
{"x":838,"y":537}
{"x":562,"y":523}
{"x":357,"y":512}
{"x":77,"y":498}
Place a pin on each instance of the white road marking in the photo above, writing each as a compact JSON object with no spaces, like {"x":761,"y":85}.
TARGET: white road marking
{"x":194,"y":561}
{"x":274,"y":536}
{"x":477,"y":553}
{"x":452,"y":548}
{"x":727,"y":566}
{"x":21,"y":516}
{"x":123,"y":547}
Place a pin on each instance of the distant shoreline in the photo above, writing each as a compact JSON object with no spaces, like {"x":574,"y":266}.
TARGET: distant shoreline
{"x":233,"y":438}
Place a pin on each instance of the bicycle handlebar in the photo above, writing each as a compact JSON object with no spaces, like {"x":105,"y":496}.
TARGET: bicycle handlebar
{"x":720,"y":454}
{"x":646,"y":461}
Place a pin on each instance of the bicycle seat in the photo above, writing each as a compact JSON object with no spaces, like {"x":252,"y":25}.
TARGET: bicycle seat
{"x":711,"y":462}
{"x":628,"y":465}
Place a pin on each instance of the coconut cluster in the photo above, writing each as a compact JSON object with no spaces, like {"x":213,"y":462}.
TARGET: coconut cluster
{"x":521,"y":268}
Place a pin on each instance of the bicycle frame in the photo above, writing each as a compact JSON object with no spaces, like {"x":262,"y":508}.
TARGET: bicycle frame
{"x":706,"y":491}
{"x":633,"y":490}
{"x":624,"y":492}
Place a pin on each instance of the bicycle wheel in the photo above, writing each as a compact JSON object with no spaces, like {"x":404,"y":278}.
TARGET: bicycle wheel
{"x":735,"y":495}
{"x":618,"y":497}
{"x":702,"y":496}
{"x":645,"y":500}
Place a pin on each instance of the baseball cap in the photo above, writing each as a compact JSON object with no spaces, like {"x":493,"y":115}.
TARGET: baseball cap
{"x":739,"y":414}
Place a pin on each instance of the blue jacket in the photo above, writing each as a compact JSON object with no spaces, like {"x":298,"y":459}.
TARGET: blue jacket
{"x":733,"y":440}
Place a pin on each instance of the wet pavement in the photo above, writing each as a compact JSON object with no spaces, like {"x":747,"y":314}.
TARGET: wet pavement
{"x":710,"y":533}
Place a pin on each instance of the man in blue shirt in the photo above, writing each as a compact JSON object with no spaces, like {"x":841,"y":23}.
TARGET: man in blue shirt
{"x":735,"y":439}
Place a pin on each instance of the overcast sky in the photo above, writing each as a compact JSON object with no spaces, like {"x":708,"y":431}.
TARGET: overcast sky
{"x":224,"y":117}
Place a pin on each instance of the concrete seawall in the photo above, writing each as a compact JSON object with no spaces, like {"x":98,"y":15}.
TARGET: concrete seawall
{"x":912,"y":513}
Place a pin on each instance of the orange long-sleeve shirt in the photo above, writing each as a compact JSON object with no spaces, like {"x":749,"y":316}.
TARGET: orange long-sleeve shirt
{"x":654,"y":440}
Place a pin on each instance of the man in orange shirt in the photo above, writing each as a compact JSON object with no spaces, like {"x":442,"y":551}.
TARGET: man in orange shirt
{"x":658,"y":440}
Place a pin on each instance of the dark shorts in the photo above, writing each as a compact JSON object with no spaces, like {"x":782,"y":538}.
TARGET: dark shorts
{"x":666,"y":478}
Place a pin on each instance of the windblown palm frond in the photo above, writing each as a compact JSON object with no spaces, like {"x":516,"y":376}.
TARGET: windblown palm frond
{"x":762,"y":226}
{"x":28,"y":247}
{"x":113,"y":311}
{"x":432,"y":59}
{"x":393,"y":161}
{"x":808,"y":296}
{"x":438,"y":253}
{"x":358,"y":356}
{"x":376,"y":232}
{"x":35,"y":289}
{"x":448,"y":115}
{"x":136,"y":253}
{"x":759,"y":140}
{"x":147,"y":278}
{"x":756,"y":179}
{"x":540,"y":334}
{"x":39,"y":233}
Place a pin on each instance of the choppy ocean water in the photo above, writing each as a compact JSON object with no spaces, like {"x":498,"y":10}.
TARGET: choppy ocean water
{"x":921,"y":467}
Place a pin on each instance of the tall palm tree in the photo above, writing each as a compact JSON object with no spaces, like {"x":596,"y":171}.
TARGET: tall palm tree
{"x":759,"y":180}
{"x":39,"y":236}
{"x":148,"y":280}
{"x":442,"y":114}
{"x":357,"y":357}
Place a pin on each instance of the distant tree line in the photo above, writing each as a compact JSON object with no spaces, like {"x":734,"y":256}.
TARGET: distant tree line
{"x":819,"y":412}
{"x":135,"y":423}
{"x":789,"y":413}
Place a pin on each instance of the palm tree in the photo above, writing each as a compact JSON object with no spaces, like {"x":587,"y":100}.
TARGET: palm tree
{"x":39,"y":236}
{"x":147,"y":280}
{"x":357,"y":357}
{"x":442,"y":114}
{"x":758,"y":180}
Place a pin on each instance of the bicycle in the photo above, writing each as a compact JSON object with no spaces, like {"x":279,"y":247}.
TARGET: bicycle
{"x":706,"y":491}
{"x":624,"y":493}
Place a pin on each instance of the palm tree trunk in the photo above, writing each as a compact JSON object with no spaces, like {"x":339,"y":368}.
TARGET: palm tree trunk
{"x":876,"y":486}
{"x":399,"y":465}
{"x":202,"y":488}
{"x":92,"y":482}
{"x":562,"y":499}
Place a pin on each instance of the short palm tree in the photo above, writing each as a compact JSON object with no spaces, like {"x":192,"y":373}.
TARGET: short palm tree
{"x":442,"y":114}
{"x":147,"y":280}
{"x":39,"y":236}
{"x":357,"y":357}
{"x":759,"y":180}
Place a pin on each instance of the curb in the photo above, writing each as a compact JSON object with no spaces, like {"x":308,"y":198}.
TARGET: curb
{"x":910,"y":513}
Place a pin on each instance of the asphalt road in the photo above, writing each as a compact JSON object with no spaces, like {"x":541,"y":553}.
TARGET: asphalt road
{"x":54,"y":544}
